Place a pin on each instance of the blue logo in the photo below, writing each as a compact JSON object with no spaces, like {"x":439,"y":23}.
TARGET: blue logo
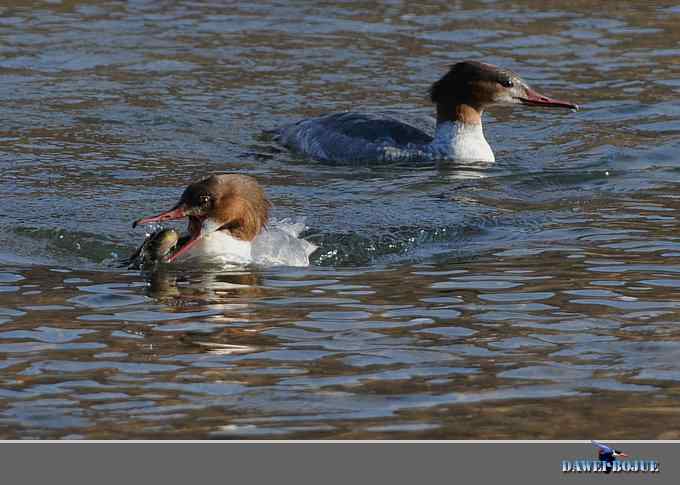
{"x":609,"y":460}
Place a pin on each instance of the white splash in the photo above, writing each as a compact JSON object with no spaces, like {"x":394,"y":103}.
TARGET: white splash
{"x":279,"y":244}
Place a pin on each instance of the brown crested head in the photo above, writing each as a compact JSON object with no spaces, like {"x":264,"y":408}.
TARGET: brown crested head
{"x":227,"y":202}
{"x":471,"y":82}
{"x":475,"y":85}
{"x":233,"y":202}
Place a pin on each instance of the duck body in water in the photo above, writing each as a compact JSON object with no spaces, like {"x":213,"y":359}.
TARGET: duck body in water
{"x":460,"y":97}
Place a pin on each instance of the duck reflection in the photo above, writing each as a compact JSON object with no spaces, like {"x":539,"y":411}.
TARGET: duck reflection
{"x":232,"y":286}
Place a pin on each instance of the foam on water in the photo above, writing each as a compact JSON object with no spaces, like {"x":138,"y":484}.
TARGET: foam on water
{"x":280,"y":244}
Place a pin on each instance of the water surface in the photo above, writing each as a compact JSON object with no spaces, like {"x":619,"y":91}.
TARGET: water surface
{"x":534,"y":298}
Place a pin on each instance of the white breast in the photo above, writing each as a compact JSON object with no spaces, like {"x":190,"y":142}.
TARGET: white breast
{"x":278,"y":244}
{"x":465,"y":142}
{"x":220,"y":244}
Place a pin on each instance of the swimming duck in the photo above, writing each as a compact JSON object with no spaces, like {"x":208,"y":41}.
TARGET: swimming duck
{"x":460,"y":97}
{"x":228,"y":220}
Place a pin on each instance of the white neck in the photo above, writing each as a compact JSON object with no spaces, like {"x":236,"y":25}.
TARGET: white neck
{"x":463,"y":142}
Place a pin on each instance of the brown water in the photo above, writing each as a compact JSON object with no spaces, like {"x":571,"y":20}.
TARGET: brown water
{"x":536,"y":298}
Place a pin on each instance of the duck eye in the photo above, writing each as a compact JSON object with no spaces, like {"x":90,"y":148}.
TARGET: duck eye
{"x":204,"y":200}
{"x":507,"y":83}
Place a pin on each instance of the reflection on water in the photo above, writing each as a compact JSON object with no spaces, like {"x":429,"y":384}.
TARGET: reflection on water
{"x":534,"y":298}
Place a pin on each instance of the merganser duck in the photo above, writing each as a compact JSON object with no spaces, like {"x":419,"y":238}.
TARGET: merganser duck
{"x":460,"y":96}
{"x":228,"y":220}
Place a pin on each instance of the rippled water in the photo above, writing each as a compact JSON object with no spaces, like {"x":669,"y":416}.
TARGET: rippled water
{"x":535,"y":298}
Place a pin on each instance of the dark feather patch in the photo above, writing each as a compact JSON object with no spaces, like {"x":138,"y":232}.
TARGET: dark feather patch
{"x":454,"y":84}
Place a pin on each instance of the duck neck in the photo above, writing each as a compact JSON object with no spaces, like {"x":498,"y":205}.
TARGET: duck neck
{"x":459,"y":133}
